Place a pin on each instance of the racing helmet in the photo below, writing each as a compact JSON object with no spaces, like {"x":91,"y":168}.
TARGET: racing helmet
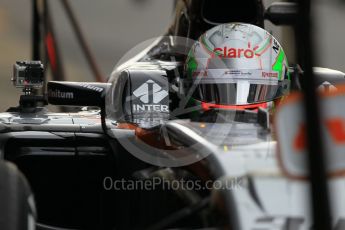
{"x":236,"y":66}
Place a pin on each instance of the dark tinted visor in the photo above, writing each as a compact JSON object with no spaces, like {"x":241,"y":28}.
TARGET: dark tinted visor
{"x":237,"y":87}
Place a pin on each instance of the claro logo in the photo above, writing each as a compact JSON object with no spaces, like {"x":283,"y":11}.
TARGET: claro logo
{"x":61,"y":95}
{"x":150,"y":94}
{"x":226,"y":52}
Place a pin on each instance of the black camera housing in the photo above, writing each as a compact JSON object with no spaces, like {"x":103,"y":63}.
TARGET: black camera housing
{"x":28,"y":74}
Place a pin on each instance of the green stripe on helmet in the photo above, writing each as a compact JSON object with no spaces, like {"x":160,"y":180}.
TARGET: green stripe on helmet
{"x":192,"y":65}
{"x":278,"y":65}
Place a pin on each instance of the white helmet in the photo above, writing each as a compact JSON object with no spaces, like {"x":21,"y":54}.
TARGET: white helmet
{"x":237,"y":65}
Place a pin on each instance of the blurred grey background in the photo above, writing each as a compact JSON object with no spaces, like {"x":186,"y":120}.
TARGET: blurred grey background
{"x":112,"y":27}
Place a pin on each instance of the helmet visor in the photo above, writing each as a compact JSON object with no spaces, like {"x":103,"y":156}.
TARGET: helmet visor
{"x":239,"y":90}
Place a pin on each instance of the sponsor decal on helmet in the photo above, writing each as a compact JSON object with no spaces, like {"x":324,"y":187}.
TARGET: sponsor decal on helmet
{"x":269,"y":74}
{"x":238,"y":72}
{"x":275,"y":46}
{"x":231,"y":52}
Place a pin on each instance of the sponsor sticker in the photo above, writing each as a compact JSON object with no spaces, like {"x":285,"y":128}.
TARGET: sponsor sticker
{"x":150,"y":94}
{"x":60,"y":94}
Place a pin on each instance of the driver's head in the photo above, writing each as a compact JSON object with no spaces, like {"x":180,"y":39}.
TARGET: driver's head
{"x":236,"y":66}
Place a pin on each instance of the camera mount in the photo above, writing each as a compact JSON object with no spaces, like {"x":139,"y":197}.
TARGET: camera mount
{"x":28,"y":75}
